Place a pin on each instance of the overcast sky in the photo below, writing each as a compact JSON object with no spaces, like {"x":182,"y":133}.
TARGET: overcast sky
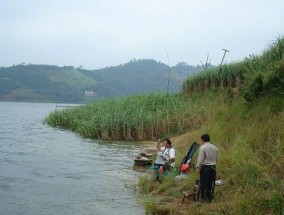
{"x":100,"y":33}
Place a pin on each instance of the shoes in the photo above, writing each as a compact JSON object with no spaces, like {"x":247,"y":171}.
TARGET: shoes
{"x":204,"y":201}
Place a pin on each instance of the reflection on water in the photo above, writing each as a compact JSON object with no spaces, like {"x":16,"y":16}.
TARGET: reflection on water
{"x":46,"y":170}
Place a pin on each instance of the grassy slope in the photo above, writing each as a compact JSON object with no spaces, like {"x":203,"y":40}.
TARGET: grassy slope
{"x":250,"y":141}
{"x":247,"y":125}
{"x":72,"y":78}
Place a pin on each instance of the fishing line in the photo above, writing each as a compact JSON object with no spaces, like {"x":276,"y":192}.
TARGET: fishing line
{"x":94,"y":171}
{"x":121,"y":199}
{"x":167,"y":55}
{"x":139,"y":201}
{"x":102,"y":170}
{"x":106,"y":170}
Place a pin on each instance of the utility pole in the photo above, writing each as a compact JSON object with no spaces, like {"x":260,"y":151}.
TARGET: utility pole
{"x":225,"y":52}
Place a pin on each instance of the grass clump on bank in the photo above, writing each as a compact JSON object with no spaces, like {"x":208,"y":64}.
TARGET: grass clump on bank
{"x":132,"y":118}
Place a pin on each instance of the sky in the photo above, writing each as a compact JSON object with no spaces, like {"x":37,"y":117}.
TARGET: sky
{"x":100,"y":33}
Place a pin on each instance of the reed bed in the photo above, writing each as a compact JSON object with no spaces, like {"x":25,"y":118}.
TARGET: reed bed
{"x":238,"y":73}
{"x":137,"y":117}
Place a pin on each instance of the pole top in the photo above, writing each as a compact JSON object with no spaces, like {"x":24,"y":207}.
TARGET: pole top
{"x":225,"y":50}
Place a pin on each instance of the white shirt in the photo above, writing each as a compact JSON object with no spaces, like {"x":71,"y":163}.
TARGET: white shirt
{"x":164,"y":155}
{"x":208,"y":155}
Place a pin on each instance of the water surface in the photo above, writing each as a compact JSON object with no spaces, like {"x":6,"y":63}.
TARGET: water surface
{"x":45,"y":170}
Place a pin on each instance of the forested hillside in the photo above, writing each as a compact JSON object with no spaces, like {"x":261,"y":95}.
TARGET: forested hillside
{"x":141,"y":76}
{"x":43,"y":83}
{"x":48,"y":83}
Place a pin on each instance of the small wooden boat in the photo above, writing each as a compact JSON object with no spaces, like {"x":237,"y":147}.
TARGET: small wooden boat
{"x":145,"y":157}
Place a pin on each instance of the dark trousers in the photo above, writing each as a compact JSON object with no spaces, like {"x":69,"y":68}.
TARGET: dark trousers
{"x":207,"y":182}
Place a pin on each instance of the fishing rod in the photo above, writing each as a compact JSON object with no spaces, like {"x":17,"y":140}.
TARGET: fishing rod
{"x":102,"y":170}
{"x":128,"y":198}
{"x":94,"y":171}
{"x":167,"y":55}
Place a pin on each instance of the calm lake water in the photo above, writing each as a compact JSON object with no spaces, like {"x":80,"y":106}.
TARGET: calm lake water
{"x":45,"y":170}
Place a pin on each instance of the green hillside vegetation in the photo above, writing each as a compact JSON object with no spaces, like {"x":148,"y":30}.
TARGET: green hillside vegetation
{"x":244,"y":116}
{"x":142,"y":76}
{"x":43,"y":83}
{"x":66,"y":84}
{"x":72,"y":78}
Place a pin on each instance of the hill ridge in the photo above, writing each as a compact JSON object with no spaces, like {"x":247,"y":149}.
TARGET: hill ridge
{"x":51,"y":83}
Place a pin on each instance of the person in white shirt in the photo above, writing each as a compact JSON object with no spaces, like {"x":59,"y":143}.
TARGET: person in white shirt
{"x":206,"y":165}
{"x":165,"y":158}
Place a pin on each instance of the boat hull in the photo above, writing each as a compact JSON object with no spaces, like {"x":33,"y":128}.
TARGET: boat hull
{"x":145,"y":157}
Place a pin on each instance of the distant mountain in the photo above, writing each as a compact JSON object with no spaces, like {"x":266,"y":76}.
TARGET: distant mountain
{"x":43,"y":83}
{"x":140,"y":76}
{"x":46,"y":83}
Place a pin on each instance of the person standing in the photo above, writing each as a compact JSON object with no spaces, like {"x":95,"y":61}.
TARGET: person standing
{"x":206,"y":165}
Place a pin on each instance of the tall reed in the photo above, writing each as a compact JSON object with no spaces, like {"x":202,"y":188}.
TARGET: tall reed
{"x":235,"y":74}
{"x":137,"y":117}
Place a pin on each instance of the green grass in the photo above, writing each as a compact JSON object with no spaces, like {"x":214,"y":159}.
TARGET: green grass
{"x":133,"y":118}
{"x":251,"y":160}
{"x":72,"y":78}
